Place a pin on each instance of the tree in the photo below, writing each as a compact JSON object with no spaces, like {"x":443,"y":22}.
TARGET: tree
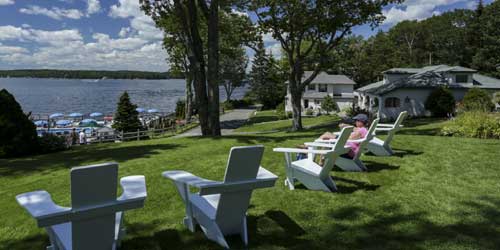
{"x":328,"y":104}
{"x":478,"y":99}
{"x":233,"y":70}
{"x":17,"y":133}
{"x":266,"y":83}
{"x":487,"y":58}
{"x":440,"y":102}
{"x":320,"y":23}
{"x":126,"y":116}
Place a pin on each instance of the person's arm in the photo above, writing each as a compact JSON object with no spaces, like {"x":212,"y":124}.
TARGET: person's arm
{"x":328,"y":136}
{"x":355,"y":135}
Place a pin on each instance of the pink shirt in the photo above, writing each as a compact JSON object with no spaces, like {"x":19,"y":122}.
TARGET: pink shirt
{"x":354,"y":145}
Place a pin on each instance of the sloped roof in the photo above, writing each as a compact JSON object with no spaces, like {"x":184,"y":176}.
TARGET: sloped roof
{"x":324,"y":78}
{"x":486,"y":82}
{"x":437,"y":68}
{"x":370,"y":86}
{"x":428,"y":79}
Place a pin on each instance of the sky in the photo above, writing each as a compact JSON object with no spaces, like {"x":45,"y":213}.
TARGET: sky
{"x":116,"y":35}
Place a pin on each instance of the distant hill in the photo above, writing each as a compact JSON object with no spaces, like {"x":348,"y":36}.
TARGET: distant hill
{"x":86,"y":74}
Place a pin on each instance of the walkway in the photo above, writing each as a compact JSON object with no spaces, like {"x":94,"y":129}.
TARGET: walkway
{"x":228,"y":122}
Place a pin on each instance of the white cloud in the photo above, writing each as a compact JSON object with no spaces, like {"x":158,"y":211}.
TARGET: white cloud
{"x":124,"y":32}
{"x":11,"y":49}
{"x":125,"y":8}
{"x":66,"y":49}
{"x":54,"y":13}
{"x":417,"y":10}
{"x":93,"y":6}
{"x":6,"y":2}
{"x":142,"y":26}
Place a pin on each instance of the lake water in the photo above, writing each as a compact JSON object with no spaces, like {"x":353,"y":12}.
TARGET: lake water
{"x":47,"y":96}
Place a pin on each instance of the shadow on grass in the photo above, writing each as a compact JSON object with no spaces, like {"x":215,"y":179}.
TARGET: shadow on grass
{"x":387,"y":226}
{"x":373,"y":166}
{"x":352,"y":186}
{"x":78,"y":156}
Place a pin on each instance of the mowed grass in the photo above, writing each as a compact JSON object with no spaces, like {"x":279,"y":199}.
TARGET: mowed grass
{"x":268,"y":121}
{"x":435,"y":193}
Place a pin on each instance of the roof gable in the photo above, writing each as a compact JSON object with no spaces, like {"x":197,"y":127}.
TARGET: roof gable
{"x":324,"y":78}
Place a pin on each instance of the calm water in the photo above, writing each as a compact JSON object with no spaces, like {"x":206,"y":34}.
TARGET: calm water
{"x":47,"y":96}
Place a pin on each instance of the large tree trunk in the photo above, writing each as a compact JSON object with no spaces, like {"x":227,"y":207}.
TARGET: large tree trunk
{"x":197,"y":61}
{"x":296,"y":100}
{"x":213,"y":68}
{"x":189,"y":96}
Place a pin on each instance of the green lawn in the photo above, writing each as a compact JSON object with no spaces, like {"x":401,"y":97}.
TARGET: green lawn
{"x":268,"y":121}
{"x":435,"y":193}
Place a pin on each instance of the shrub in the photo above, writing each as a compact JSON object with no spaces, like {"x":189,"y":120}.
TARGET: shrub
{"x":227,"y":105}
{"x":280,"y":111}
{"x":309,"y":112}
{"x":17,"y":133}
{"x":52,"y":143}
{"x":497,"y":98}
{"x":180,"y":109}
{"x":440,"y":102}
{"x":357,"y":110}
{"x":328,"y":104}
{"x":126,"y":116}
{"x":474,"y":124}
{"x":478,"y":99}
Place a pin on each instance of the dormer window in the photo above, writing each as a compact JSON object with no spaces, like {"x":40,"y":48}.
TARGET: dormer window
{"x":462,"y":78}
{"x":311,"y":87}
{"x":322,"y":88}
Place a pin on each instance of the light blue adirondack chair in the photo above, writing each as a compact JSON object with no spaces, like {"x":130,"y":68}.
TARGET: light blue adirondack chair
{"x":381,"y":147}
{"x":310,"y":173}
{"x":95,"y":218}
{"x":355,"y":164}
{"x":220,"y":207}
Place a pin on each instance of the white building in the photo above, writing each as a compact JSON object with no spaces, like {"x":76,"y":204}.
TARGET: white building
{"x":407,"y":89}
{"x":339,"y":87}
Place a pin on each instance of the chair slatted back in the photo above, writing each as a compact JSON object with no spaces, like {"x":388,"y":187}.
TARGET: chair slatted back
{"x":397,"y":127}
{"x":93,"y":186}
{"x":369,"y":136}
{"x":339,"y":147}
{"x":243,"y":165}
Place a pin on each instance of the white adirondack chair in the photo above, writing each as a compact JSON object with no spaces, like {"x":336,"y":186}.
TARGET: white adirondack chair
{"x":220,"y":207}
{"x":94,"y":220}
{"x":308,"y":172}
{"x":355,"y":164}
{"x":382,"y":147}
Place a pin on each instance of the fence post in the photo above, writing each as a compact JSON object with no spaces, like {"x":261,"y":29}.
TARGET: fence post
{"x":138,"y":134}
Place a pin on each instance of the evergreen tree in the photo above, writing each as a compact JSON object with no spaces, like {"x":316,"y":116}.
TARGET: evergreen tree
{"x":266,"y":83}
{"x":126,"y":116}
{"x":440,"y":102}
{"x":17,"y":133}
{"x":328,"y":104}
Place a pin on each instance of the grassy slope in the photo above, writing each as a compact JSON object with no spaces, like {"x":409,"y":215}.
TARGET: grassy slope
{"x":435,"y":193}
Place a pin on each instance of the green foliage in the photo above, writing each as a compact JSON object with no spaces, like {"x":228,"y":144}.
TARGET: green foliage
{"x":85,"y":74}
{"x":478,"y":99}
{"x":487,"y":32}
{"x":309,"y":112}
{"x":17,"y":133}
{"x":497,"y":98}
{"x":281,"y":113}
{"x":126,"y":117}
{"x":266,"y":84}
{"x":52,"y":143}
{"x":329,"y":105}
{"x":233,"y":65}
{"x":440,"y":102}
{"x":180,"y":109}
{"x":350,"y":112}
{"x":475,"y":124}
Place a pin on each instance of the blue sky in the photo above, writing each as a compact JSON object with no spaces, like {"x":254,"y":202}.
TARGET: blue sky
{"x":116,"y":35}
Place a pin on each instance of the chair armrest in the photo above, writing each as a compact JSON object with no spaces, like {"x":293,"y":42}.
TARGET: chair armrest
{"x":264,"y":179}
{"x":187,"y":178}
{"x":41,"y":206}
{"x":320,"y":144}
{"x":385,"y":125}
{"x":265,"y":174}
{"x":301,"y":151}
{"x":326,"y":141}
{"x":383,"y":129}
{"x":134,"y":187}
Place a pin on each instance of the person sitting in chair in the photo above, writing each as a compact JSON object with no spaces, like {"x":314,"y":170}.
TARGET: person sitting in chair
{"x":359,"y":132}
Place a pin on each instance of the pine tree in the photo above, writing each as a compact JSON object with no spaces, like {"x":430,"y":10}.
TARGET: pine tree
{"x":17,"y":133}
{"x":328,"y":104}
{"x":266,"y":83}
{"x":126,"y":116}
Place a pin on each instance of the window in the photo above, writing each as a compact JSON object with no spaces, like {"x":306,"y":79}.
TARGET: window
{"x":462,"y":78}
{"x":392,"y":102}
{"x":306,"y":103}
{"x":311,"y":87}
{"x":322,"y":87}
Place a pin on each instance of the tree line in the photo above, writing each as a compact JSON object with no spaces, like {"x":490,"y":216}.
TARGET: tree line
{"x":469,"y":38}
{"x":88,"y":74}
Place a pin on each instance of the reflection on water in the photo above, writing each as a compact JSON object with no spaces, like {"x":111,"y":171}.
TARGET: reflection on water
{"x":47,"y":96}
